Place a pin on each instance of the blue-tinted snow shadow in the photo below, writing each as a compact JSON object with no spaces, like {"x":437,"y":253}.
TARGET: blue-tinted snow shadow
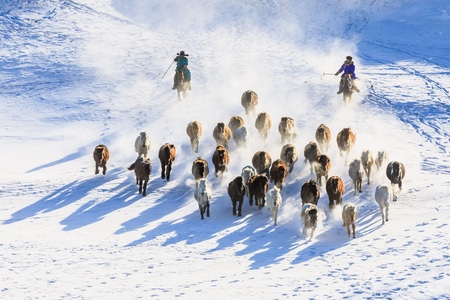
{"x":64,"y":196}
{"x":80,"y":152}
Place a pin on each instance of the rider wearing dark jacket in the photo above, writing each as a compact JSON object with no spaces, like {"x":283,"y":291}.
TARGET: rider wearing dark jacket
{"x":348,"y":67}
{"x":182,"y":64}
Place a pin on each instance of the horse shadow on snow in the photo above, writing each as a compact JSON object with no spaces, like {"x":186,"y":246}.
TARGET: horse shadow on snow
{"x":64,"y":196}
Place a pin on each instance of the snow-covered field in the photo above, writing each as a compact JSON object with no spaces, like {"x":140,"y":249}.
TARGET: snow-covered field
{"x":76,"y":74}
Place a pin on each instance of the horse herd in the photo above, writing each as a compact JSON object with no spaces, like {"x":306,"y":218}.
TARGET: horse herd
{"x":253,"y":182}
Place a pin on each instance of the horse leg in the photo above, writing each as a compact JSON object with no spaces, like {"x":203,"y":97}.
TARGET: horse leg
{"x":207,"y":209}
{"x":169,"y":169}
{"x":348,"y":228}
{"x":163,"y":171}
{"x":140,"y":186}
{"x":387,"y":211}
{"x":234,"y":207}
{"x":104,"y":170}
{"x":354,"y":229}
{"x":96,"y":168}
{"x":144,"y":189}
{"x":240,"y":207}
{"x":201,"y":210}
{"x":275,"y":215}
{"x":382,"y":213}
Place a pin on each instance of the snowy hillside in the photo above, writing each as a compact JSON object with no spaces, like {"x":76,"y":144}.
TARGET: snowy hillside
{"x":76,"y":74}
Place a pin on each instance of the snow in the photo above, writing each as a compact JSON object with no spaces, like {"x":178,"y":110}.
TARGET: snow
{"x":79,"y":73}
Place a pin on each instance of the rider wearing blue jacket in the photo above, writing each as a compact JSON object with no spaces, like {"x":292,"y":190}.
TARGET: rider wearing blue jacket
{"x":182,"y":64}
{"x":348,"y":67}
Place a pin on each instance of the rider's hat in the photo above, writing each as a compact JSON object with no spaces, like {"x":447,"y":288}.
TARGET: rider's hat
{"x":182,"y":53}
{"x":349,"y":57}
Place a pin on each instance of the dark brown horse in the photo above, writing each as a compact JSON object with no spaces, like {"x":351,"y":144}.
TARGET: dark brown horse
{"x":200,"y":168}
{"x":310,"y":192}
{"x":335,"y":189}
{"x":142,"y":169}
{"x":236,"y":191}
{"x":166,"y":155}
{"x":278,"y":172}
{"x":220,"y":160}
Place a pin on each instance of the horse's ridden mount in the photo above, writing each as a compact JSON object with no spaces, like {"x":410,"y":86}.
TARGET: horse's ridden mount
{"x":347,"y":87}
{"x":182,"y":82}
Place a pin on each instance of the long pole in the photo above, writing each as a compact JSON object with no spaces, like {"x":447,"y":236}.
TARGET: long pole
{"x":321,"y":76}
{"x":167,"y":70}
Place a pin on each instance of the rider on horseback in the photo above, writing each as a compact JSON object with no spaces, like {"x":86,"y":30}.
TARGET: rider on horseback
{"x":182,"y":65}
{"x":349,"y":74}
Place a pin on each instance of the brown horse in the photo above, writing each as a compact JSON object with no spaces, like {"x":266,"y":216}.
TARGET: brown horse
{"x":200,"y":168}
{"x":101,"y":157}
{"x":323,"y":138}
{"x":278,"y":172}
{"x":142,"y":169}
{"x":348,"y":88}
{"x":289,"y":155}
{"x":335,"y":189}
{"x":220,"y":160}
{"x":222,"y":134}
{"x":194,"y":131}
{"x":310,"y":153}
{"x":249,"y":100}
{"x":262,"y":162}
{"x":345,"y":140}
{"x":236,"y":191}
{"x":287,"y":129}
{"x":258,"y":186}
{"x":166,"y":155}
{"x":310,"y":192}
{"x":182,"y":83}
{"x":235,"y":122}
{"x":263,"y":123}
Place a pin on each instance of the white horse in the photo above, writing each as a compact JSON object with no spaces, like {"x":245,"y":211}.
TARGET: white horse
{"x":274,"y":201}
{"x":383,"y":195}
{"x":355,"y":171}
{"x":142,"y":144}
{"x":202,"y":194}
{"x":247,"y":173}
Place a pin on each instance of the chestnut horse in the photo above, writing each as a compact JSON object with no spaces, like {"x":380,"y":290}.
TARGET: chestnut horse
{"x":101,"y":157}
{"x":166,"y":155}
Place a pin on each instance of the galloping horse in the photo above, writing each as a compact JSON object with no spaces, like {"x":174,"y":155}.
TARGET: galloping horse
{"x":347,"y":83}
{"x":183,"y":83}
